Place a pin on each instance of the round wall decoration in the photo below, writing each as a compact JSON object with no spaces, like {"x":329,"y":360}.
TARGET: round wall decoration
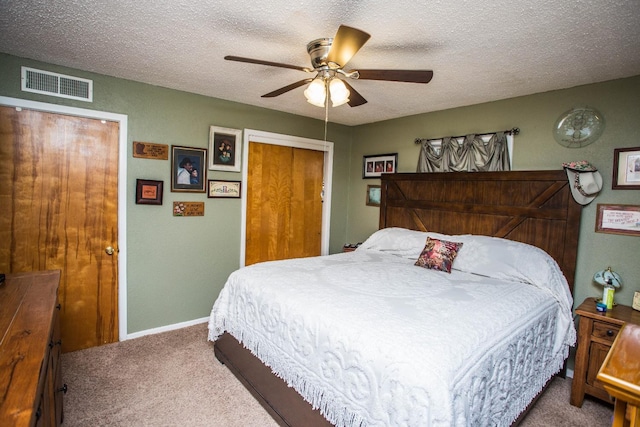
{"x":578,"y":127}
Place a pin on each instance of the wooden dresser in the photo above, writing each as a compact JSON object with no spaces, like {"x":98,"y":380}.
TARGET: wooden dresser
{"x":620,"y":374}
{"x":30,"y":376}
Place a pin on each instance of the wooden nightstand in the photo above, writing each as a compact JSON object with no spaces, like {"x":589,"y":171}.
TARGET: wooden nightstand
{"x":596,"y":332}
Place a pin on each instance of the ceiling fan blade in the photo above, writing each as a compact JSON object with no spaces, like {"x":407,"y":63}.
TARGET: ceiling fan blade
{"x":287,"y":88}
{"x":410,"y":76}
{"x":355,"y":99}
{"x":345,"y":44}
{"x":261,"y":62}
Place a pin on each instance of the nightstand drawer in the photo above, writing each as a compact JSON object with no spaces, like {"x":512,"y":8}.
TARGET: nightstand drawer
{"x":605,"y":331}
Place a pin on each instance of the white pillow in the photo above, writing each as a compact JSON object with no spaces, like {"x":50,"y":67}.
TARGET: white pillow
{"x":397,"y":241}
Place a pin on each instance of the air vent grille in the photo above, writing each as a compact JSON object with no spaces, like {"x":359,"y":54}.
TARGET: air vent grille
{"x":54,"y":84}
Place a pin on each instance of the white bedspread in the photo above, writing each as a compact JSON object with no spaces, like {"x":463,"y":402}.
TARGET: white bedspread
{"x":373,"y":340}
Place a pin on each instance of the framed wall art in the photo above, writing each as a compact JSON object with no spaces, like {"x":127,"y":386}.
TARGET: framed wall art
{"x":225,"y":151}
{"x":148,"y":192}
{"x":188,"y":169}
{"x":374,"y":166}
{"x":373,"y":195}
{"x":618,"y":219}
{"x":626,"y":169}
{"x":224,"y":189}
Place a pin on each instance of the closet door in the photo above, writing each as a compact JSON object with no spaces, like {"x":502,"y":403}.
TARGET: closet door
{"x":284,"y":204}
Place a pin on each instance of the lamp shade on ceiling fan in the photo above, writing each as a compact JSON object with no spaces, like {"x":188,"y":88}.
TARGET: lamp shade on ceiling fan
{"x":339,"y":92}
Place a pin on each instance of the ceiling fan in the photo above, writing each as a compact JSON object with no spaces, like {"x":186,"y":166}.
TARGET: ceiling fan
{"x":329,"y":56}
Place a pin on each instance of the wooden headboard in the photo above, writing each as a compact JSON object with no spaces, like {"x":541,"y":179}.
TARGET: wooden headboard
{"x":534,"y":207}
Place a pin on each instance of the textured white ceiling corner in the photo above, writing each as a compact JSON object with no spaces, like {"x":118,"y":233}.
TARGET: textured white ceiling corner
{"x":479,"y":51}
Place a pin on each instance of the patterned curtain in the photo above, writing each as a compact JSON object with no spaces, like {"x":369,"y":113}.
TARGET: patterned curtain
{"x":473,"y":154}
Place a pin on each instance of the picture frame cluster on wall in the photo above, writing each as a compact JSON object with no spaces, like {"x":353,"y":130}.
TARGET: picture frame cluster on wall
{"x":375,"y":166}
{"x":188,"y":169}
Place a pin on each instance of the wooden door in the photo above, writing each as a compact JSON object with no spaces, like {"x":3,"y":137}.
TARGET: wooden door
{"x":284,"y":204}
{"x":58,"y":192}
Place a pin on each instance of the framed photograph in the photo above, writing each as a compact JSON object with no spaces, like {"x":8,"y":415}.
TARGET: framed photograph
{"x":225,"y":149}
{"x":618,"y":219}
{"x":374,"y":166}
{"x":188,"y":169}
{"x":373,"y":195}
{"x":224,"y":189}
{"x":148,"y":192}
{"x":626,"y":169}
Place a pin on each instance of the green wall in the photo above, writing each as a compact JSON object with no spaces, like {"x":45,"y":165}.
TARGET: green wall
{"x":534,"y":148}
{"x":177,"y":266}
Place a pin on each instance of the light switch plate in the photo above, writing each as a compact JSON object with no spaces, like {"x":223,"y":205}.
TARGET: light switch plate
{"x":636,"y":301}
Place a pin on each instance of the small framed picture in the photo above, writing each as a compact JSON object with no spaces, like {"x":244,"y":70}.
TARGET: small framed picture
{"x":225,"y":149}
{"x":626,"y":169}
{"x":373,"y":195}
{"x":148,"y":192}
{"x":188,"y":169}
{"x":618,"y":219}
{"x":224,"y":189}
{"x":374,"y":166}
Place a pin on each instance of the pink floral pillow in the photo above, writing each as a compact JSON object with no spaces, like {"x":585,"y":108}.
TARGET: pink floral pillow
{"x":438,"y":254}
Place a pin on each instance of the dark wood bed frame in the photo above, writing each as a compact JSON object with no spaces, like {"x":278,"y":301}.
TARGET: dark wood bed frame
{"x":534,"y":207}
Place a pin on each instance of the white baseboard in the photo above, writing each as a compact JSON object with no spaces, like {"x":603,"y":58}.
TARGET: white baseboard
{"x":165,"y":328}
{"x":570,"y":373}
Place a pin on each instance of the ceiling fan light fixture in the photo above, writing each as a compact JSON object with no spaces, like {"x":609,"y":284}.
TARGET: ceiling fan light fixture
{"x":339,"y":92}
{"x":316,"y":92}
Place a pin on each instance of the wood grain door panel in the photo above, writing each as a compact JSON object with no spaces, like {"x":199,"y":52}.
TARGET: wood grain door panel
{"x":58,"y":191}
{"x":284,"y":206}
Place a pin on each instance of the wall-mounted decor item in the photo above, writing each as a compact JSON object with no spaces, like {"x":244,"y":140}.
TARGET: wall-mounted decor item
{"x":626,"y":169}
{"x":373,"y":195}
{"x":188,"y":208}
{"x":148,"y":192}
{"x":374,"y":166}
{"x":188,"y":169}
{"x":149,"y":150}
{"x":578,"y":127}
{"x":224,"y":189}
{"x":225,"y":149}
{"x":618,"y":219}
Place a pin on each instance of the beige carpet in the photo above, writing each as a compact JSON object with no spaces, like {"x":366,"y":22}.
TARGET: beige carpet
{"x":173,"y":379}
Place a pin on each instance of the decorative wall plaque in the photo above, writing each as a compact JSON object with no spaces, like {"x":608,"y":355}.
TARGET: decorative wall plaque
{"x":188,"y":208}
{"x":149,"y":150}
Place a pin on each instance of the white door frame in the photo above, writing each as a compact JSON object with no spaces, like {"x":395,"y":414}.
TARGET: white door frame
{"x":122,"y":187}
{"x":296,"y":142}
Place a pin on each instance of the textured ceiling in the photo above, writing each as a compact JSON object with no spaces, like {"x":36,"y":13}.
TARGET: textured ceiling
{"x":479,"y":50}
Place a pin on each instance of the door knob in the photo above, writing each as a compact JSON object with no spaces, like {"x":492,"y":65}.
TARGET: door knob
{"x":109,"y":250}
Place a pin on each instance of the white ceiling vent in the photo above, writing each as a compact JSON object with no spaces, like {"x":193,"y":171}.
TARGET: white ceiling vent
{"x":54,"y":84}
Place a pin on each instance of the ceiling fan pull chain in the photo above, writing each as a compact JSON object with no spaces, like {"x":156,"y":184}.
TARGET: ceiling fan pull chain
{"x":326,"y":108}
{"x":326,"y":120}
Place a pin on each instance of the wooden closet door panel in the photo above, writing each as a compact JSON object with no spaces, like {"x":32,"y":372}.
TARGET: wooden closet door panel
{"x":268,"y":203}
{"x":59,"y":197}
{"x":306,"y":203}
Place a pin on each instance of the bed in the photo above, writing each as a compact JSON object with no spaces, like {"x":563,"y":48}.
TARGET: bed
{"x":369,"y":338}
